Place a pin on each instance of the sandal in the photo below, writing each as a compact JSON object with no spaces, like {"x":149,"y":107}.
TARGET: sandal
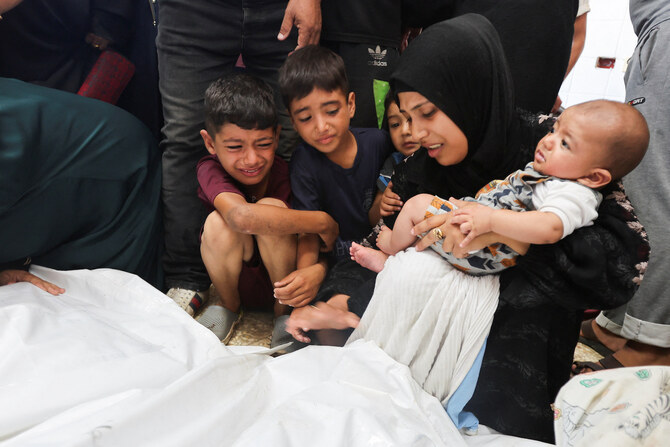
{"x":591,"y":340}
{"x":609,"y":362}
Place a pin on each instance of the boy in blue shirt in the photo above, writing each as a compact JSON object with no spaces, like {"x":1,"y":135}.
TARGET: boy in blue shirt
{"x":335,"y":169}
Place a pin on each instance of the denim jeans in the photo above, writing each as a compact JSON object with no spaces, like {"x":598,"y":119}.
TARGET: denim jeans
{"x":198,"y":42}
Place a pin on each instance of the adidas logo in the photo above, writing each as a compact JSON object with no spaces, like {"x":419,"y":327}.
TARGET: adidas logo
{"x":377,"y":57}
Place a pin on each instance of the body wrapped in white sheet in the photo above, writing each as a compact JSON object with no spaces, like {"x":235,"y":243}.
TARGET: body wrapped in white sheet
{"x":114,"y":362}
{"x":431,"y":317}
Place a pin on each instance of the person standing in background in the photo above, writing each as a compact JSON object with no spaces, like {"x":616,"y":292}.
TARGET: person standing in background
{"x":639,"y":332}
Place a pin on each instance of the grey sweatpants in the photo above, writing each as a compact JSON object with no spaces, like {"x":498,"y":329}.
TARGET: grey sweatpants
{"x":646,"y":318}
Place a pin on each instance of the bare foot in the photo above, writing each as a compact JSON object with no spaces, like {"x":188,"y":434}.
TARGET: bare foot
{"x":604,"y":336}
{"x":369,"y":258}
{"x":319,"y":316}
{"x":384,"y":240}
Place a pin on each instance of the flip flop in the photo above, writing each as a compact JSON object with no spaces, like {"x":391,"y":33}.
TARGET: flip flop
{"x":591,"y":340}
{"x":609,"y":362}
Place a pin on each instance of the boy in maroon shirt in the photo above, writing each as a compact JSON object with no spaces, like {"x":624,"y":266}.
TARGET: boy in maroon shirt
{"x":251,"y":242}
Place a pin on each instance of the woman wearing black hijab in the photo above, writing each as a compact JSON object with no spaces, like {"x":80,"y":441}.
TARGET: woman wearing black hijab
{"x":459,"y":67}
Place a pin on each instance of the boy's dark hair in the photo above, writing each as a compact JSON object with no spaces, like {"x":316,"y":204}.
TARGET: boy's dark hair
{"x":390,"y":99}
{"x":311,"y":67}
{"x":239,"y":99}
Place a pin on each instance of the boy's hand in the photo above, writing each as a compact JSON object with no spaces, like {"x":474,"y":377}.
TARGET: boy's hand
{"x":306,"y":16}
{"x":473,"y":219}
{"x":299,"y":287}
{"x":329,"y":236}
{"x":391,"y":202}
{"x":13,"y":276}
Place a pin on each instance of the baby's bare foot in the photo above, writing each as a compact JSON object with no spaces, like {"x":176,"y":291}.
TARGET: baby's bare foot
{"x":369,"y":258}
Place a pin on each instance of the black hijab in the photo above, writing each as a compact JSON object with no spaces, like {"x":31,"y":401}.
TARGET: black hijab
{"x":459,"y":65}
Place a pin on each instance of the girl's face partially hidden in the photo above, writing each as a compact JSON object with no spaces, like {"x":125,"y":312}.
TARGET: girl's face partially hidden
{"x":431,"y":127}
{"x":400,"y":131}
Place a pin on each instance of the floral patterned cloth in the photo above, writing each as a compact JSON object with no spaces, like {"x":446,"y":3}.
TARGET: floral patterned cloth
{"x":616,"y":407}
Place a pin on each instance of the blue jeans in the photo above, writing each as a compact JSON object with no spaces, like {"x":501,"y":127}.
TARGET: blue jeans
{"x":198,"y":42}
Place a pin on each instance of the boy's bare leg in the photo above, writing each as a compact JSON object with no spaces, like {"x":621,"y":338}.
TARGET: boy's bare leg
{"x":333,"y":314}
{"x":223,"y":252}
{"x":278,"y":254}
{"x":369,"y":258}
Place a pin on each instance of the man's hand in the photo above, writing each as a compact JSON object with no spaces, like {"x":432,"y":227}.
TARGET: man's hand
{"x":97,"y":42}
{"x":13,"y":276}
{"x":391,"y":202}
{"x":299,"y":287}
{"x":306,"y":16}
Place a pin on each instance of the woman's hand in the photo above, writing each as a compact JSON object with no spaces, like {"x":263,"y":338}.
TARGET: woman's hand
{"x":391,"y":202}
{"x":451,"y":234}
{"x":13,"y":276}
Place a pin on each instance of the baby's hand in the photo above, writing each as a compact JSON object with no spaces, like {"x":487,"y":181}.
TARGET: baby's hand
{"x":384,"y":240}
{"x":391,"y":202}
{"x":473,"y":219}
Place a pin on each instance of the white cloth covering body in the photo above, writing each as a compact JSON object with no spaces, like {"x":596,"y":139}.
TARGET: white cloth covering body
{"x":115,"y":362}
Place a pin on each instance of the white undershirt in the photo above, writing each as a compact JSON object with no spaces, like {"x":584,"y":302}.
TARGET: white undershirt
{"x":575,"y":204}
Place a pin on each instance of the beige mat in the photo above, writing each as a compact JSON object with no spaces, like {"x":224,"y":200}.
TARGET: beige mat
{"x":255,"y":329}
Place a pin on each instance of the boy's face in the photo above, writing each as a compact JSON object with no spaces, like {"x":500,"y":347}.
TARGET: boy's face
{"x":322,"y":118}
{"x":400,"y":131}
{"x":245,"y":154}
{"x":573,"y":149}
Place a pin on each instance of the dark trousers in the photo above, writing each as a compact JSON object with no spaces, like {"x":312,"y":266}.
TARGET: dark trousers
{"x":198,"y":42}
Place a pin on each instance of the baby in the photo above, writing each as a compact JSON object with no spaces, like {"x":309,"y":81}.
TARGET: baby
{"x":590,"y":145}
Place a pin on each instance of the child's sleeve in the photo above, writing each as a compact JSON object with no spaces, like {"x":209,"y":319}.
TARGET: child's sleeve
{"x":213,"y":180}
{"x":386,"y":173}
{"x":573,"y":203}
{"x":280,"y":183}
{"x":304,"y":184}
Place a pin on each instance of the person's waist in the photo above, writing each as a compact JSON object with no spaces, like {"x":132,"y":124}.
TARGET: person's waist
{"x":645,"y":26}
{"x":251,"y":3}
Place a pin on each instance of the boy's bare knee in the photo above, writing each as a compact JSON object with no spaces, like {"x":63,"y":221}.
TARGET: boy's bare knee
{"x":216,"y":233}
{"x":272,"y":201}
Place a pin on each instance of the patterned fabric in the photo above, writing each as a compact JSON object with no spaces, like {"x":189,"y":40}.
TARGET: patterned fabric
{"x":109,"y":76}
{"x":625,"y":406}
{"x":514,"y":193}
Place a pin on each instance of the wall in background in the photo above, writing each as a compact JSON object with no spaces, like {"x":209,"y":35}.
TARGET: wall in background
{"x":609,"y":34}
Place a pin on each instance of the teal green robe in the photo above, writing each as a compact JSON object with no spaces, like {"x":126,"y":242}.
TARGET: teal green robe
{"x":79,"y":183}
